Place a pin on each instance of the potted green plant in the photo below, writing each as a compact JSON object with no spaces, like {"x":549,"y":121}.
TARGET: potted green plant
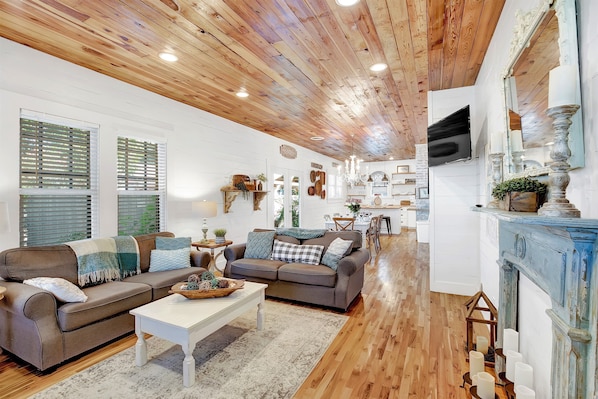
{"x":220,"y":235}
{"x":521,"y":194}
{"x":354,"y":208}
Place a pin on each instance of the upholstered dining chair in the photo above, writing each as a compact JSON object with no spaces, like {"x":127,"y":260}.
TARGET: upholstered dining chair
{"x":344,"y":223}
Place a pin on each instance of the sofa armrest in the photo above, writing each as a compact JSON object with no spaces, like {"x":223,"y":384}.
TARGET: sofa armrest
{"x":28,"y":301}
{"x":234,"y":252}
{"x":200,"y":258}
{"x":351,"y":263}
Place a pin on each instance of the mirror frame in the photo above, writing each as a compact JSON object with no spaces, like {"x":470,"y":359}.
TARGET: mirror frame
{"x":525,"y":27}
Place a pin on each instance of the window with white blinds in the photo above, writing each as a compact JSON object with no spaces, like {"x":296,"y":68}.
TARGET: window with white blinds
{"x":141,"y":186}
{"x":58,"y":179}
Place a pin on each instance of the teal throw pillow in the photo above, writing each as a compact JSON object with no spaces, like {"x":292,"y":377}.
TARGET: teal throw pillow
{"x":169,"y":243}
{"x":335,"y":252}
{"x":169,"y":259}
{"x":259,"y":244}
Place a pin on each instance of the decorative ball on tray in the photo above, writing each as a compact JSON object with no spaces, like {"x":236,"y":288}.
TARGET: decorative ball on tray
{"x":206,"y":286}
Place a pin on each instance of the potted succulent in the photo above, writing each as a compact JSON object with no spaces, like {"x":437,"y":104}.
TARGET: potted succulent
{"x":220,"y":235}
{"x":521,"y":194}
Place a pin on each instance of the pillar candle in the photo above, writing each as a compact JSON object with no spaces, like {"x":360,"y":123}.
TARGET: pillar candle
{"x":496,"y":143}
{"x":512,"y":358}
{"x":476,"y":362}
{"x":524,"y":392}
{"x":524,"y":375}
{"x":510,"y":340}
{"x":562,"y":86}
{"x":482,"y":344}
{"x":486,"y":386}
{"x":474,"y":381}
{"x":516,"y":141}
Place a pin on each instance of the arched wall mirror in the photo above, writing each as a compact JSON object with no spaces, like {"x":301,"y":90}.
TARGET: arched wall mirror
{"x":544,"y":38}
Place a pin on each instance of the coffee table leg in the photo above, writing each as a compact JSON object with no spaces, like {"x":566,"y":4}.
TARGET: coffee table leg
{"x":188,"y":365}
{"x":140,"y":346}
{"x":260,"y":315}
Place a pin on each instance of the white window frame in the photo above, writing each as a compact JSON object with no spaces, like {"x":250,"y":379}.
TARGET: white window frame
{"x":92,"y":191}
{"x":141,"y":191}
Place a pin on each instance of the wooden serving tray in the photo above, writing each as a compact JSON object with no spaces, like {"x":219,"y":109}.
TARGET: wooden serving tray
{"x":214,"y":293}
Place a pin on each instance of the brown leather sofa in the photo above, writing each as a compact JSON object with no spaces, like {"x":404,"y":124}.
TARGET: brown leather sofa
{"x":45,"y":332}
{"x":314,"y":284}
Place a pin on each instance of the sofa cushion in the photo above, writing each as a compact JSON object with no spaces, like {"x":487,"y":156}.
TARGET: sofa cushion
{"x":335,"y":251}
{"x":63,"y":290}
{"x":146,"y":243}
{"x":170,"y":259}
{"x":161,"y":282}
{"x":104,"y":301}
{"x":353,"y":235}
{"x":307,"y":274}
{"x":287,"y":252}
{"x":173,"y":242}
{"x":259,"y":268}
{"x":259,"y":244}
{"x":18,"y":264}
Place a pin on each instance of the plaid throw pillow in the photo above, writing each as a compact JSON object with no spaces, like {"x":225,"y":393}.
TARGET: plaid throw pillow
{"x":287,"y":252}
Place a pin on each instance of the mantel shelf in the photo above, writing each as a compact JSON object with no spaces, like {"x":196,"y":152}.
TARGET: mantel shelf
{"x":230,"y":195}
{"x":532,"y":218}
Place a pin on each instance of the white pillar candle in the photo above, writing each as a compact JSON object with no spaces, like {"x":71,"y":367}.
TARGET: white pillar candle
{"x":481,"y":344}
{"x":516,"y":141}
{"x":496,"y":142}
{"x":512,"y":358}
{"x":474,"y":381}
{"x":476,"y":362}
{"x":510,"y":340}
{"x":562,"y":86}
{"x":486,"y":386}
{"x":524,"y":375}
{"x":524,"y":392}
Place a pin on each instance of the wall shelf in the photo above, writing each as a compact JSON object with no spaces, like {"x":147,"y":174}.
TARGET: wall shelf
{"x":230,"y":195}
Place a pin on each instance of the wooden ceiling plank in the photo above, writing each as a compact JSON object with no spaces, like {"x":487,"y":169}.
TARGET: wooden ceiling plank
{"x":454,"y":15}
{"x":469,"y":28}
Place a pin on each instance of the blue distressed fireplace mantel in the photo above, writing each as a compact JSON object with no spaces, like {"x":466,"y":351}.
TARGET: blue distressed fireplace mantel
{"x":559,"y":256}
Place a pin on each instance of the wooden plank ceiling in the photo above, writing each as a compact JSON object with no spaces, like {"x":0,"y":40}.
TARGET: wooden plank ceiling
{"x":304,"y":63}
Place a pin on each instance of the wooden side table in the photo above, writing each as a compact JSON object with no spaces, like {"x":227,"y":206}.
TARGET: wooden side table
{"x":212,"y":245}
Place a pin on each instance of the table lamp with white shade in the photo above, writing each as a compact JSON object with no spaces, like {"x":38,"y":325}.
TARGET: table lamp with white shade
{"x":205,"y":209}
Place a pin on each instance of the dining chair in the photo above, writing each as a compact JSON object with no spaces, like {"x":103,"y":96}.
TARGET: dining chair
{"x":378,"y":228}
{"x":370,"y":234}
{"x":341,"y":223}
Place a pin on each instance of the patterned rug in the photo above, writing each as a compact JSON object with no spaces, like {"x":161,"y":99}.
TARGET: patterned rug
{"x":237,"y":361}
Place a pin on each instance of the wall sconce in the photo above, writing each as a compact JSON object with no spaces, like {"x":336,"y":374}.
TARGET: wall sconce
{"x":205,"y":209}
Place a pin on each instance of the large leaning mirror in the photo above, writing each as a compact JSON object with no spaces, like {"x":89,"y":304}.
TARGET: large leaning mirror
{"x":544,"y":38}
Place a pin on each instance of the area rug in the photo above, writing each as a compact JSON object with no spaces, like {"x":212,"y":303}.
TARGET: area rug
{"x":237,"y":361}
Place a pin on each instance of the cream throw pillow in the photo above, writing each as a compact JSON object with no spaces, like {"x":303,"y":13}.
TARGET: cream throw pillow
{"x":63,"y":290}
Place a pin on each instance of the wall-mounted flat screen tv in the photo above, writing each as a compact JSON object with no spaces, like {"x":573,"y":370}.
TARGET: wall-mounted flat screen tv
{"x":449,"y":139}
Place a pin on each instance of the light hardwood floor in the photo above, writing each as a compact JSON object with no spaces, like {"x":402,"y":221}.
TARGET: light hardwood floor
{"x":401,"y":340}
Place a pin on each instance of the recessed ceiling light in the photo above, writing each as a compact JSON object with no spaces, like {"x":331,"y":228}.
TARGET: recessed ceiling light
{"x":317,"y":138}
{"x":391,"y":158}
{"x":242,"y":94}
{"x":169,"y":57}
{"x":378,"y":67}
{"x":549,"y":143}
{"x":346,"y":3}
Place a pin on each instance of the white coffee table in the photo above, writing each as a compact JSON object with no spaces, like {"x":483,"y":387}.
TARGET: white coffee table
{"x":188,"y":321}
